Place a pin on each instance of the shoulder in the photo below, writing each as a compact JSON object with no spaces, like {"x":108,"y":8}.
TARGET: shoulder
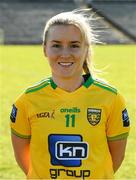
{"x":109,"y":91}
{"x":105,"y":86}
{"x":24,"y":97}
{"x":38,"y":86}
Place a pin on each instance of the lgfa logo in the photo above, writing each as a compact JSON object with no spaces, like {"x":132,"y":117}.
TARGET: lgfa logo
{"x":49,"y":115}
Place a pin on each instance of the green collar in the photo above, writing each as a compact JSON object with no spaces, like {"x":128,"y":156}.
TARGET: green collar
{"x":87,"y":81}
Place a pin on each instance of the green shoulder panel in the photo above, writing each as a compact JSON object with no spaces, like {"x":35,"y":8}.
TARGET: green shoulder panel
{"x":105,"y":86}
{"x":20,"y":135}
{"x":38,"y":86}
{"x":118,"y":137}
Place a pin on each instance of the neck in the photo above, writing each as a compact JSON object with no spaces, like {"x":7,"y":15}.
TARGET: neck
{"x":68,"y":84}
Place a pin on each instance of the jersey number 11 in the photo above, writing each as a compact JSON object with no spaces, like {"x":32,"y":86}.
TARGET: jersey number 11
{"x":70,"y":120}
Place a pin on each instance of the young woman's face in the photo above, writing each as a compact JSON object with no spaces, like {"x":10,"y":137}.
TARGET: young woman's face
{"x":66,"y":51}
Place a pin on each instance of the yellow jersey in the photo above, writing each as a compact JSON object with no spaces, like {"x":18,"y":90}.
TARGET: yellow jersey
{"x":69,"y":131}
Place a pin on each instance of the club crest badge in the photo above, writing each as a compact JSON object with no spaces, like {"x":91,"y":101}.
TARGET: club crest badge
{"x":93,"y":116}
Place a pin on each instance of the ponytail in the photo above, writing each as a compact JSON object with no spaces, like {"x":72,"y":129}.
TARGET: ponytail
{"x":86,"y":68}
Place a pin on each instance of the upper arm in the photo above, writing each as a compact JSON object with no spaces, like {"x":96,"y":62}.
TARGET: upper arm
{"x":117,"y":148}
{"x":21,"y":133}
{"x":21,"y":147}
{"x":117,"y":131}
{"x":19,"y":144}
{"x":21,"y":151}
{"x":117,"y":151}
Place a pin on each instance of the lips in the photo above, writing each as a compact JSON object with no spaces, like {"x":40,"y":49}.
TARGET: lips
{"x":65,"y":64}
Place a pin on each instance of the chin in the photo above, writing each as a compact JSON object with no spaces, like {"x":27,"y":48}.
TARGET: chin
{"x":65,"y":75}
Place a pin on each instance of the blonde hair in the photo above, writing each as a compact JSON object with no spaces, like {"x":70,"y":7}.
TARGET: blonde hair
{"x":82,"y":19}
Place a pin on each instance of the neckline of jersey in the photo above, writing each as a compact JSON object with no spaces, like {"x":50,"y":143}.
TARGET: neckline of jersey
{"x":88,"y":80}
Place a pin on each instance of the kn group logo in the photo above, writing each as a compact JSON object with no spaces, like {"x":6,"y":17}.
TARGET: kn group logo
{"x":67,"y":150}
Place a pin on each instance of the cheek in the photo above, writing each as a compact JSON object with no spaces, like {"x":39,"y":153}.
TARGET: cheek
{"x":48,"y":52}
{"x":77,"y":53}
{"x":51,"y":55}
{"x":82,"y":56}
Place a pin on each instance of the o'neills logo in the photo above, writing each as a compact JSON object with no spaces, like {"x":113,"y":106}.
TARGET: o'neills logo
{"x":70,"y":110}
{"x":46,"y":115}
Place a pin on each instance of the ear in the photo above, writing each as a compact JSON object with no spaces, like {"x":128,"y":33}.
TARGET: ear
{"x":44,"y":50}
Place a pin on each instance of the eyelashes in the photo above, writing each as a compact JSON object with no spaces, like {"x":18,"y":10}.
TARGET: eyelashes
{"x":60,"y":46}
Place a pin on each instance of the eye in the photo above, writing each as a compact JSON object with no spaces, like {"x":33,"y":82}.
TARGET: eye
{"x":74,"y":46}
{"x":56,"y":45}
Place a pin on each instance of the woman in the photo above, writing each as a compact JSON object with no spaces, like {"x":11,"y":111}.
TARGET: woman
{"x":70,"y":125}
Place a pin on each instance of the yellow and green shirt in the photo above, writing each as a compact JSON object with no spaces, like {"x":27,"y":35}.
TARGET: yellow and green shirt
{"x":69,"y":131}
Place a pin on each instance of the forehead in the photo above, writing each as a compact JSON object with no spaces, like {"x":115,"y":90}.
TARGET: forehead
{"x":64,"y":32}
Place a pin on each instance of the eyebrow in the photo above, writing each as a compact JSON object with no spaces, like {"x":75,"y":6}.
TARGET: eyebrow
{"x":73,"y":42}
{"x":55,"y":41}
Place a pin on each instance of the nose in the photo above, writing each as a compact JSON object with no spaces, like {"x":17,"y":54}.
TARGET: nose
{"x":65,"y":52}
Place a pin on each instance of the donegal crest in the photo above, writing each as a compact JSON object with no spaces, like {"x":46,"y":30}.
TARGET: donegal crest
{"x":93,"y":116}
